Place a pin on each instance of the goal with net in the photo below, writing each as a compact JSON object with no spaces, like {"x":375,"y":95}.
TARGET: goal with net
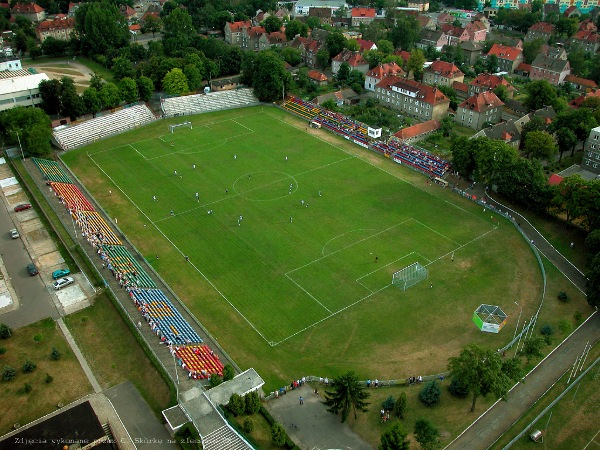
{"x":186,"y":124}
{"x":409,"y":276}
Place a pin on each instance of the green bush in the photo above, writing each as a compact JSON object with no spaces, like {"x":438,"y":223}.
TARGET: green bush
{"x":228,"y":372}
{"x":8,"y":373}
{"x":236,"y":405}
{"x":2,"y":350}
{"x":55,"y":354}
{"x":5,"y":331}
{"x":388,"y":404}
{"x":267,"y":415}
{"x":547,"y":330}
{"x":430,"y":394}
{"x":49,"y":378}
{"x":458,"y":389}
{"x":563,"y":297}
{"x":565,"y":326}
{"x":278,"y":435}
{"x":215,"y":380}
{"x":29,"y":366}
{"x":38,"y":337}
{"x":252,"y":402}
{"x":248,"y":425}
{"x":400,"y":406}
{"x":27,"y":388}
{"x":577,"y":315}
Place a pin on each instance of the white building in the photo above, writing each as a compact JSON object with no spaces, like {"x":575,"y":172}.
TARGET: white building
{"x":302,"y":6}
{"x":21,"y":91}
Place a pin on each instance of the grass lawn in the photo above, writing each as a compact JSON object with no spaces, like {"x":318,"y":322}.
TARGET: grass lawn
{"x":113,"y":353}
{"x":69,"y":384}
{"x":440,"y":145}
{"x":295,"y":289}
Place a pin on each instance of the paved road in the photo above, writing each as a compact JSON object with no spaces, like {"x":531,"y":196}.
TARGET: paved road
{"x":35,"y":302}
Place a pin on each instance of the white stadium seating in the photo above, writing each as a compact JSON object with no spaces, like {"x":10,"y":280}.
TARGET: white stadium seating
{"x":213,"y":101}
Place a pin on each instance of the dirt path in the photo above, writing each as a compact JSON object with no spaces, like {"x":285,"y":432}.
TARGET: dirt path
{"x":56,"y":69}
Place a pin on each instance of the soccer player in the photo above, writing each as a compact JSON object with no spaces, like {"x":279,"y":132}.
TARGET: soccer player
{"x":290,"y":220}
{"x":175,"y":173}
{"x":197,"y":196}
{"x":154,"y":198}
{"x":319,"y":193}
{"x":193,"y":166}
{"x":172,"y":213}
{"x":286,"y":158}
{"x":234,"y":156}
{"x":302,"y":202}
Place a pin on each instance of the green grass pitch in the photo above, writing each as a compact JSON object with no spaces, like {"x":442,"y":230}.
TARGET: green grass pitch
{"x":294,"y":275}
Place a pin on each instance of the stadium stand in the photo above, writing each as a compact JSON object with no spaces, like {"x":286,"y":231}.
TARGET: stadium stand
{"x":412,"y":156}
{"x":51,"y":170}
{"x":124,"y":267}
{"x":103,"y":126}
{"x":163,"y":318}
{"x":223,"y":438}
{"x":199,"y":361}
{"x":213,"y":101}
{"x":71,"y":197}
{"x":95,"y":229}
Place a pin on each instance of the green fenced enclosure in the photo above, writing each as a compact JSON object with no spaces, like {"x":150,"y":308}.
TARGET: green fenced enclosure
{"x":321,"y":230}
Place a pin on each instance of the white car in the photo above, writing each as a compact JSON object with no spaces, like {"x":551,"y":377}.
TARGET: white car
{"x":14,"y":234}
{"x":62,"y":282}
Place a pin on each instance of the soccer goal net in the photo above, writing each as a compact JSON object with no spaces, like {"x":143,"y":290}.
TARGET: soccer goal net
{"x":409,"y":276}
{"x":186,"y":124}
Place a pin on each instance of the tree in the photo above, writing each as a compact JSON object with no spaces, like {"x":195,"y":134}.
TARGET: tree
{"x":8,"y":373}
{"x":252,"y":402}
{"x":236,"y":405}
{"x":175,"y":82}
{"x":53,"y":47}
{"x":152,"y":24}
{"x":400,"y":406}
{"x":592,"y":246}
{"x":55,"y":355}
{"x":50,"y":93}
{"x":532,"y":348}
{"x":215,"y":380}
{"x":501,"y":92}
{"x":145,"y":88}
{"x":566,"y":26}
{"x":566,"y":139}
{"x":483,"y":372}
{"x":96,"y":81}
{"x":313,"y":22}
{"x":524,"y":182}
{"x":109,"y":95}
{"x":427,"y":435}
{"x":228,"y":372}
{"x":385,"y":46}
{"x":346,"y":395}
{"x":405,"y":33}
{"x":29,"y":366}
{"x":272,"y":23}
{"x":540,"y":145}
{"x":394,"y":438}
{"x":415,"y":63}
{"x":194,"y":77}
{"x":579,"y":121}
{"x":458,"y":389}
{"x":535,"y":124}
{"x":430,"y":394}
{"x":100,"y":27}
{"x":540,"y":93}
{"x":344,"y":72}
{"x":177,"y":32}
{"x":593,"y":281}
{"x":5,"y":331}
{"x":323,"y":58}
{"x":463,"y":157}
{"x":128,"y":89}
{"x":71,"y":103}
{"x":334,"y":43}
{"x":291,"y":55}
{"x":122,"y":68}
{"x":270,"y":77}
{"x":531,"y":49}
{"x":278,"y":435}
{"x":295,"y":28}
{"x":91,"y":100}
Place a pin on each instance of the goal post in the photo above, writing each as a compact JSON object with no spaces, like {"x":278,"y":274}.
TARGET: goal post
{"x":409,"y":276}
{"x":186,"y":124}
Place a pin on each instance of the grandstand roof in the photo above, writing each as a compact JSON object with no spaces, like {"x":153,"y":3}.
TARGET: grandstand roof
{"x":17,"y":84}
{"x":241,"y":384}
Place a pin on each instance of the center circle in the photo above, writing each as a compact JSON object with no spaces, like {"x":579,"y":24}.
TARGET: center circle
{"x":265,"y":185}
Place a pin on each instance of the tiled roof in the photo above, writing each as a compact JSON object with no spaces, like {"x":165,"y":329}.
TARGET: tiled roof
{"x":418,"y":129}
{"x":542,"y":27}
{"x":56,"y":24}
{"x":135,"y":27}
{"x":423,"y":20}
{"x":424,"y":93}
{"x":549,"y":63}
{"x":581,"y":81}
{"x":555,"y":179}
{"x":446,"y":69}
{"x":471,"y":46}
{"x":504,"y":52}
{"x":587,"y":25}
{"x":524,"y":67}
{"x":482,"y":102}
{"x":579,"y":100}
{"x":363,"y":12}
{"x":352,"y":58}
{"x":365,"y":45}
{"x":430,"y":35}
{"x":255,"y":31}
{"x":27,"y":8}
{"x":237,"y":26}
{"x":385,"y":70}
{"x":402,"y":54}
{"x":476,"y":25}
{"x":460,"y":87}
{"x":277,"y":37}
{"x":317,"y":76}
{"x":453,"y":31}
{"x":490,"y":81}
{"x":589,"y":36}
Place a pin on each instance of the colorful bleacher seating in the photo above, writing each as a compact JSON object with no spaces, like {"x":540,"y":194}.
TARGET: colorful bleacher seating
{"x":199,"y":360}
{"x":51,"y":170}
{"x":71,"y":197}
{"x":96,"y":230}
{"x":126,"y":268}
{"x":164,"y":319}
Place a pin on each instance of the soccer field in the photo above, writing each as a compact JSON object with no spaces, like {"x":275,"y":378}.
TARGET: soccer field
{"x":288,"y":229}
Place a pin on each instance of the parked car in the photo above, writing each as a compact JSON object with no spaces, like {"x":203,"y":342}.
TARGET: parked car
{"x":62,"y":282}
{"x":14,"y":234}
{"x":60,"y":273}
{"x":22,"y":207}
{"x":32,"y":269}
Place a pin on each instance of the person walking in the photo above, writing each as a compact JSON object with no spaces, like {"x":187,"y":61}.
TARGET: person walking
{"x":301,"y":401}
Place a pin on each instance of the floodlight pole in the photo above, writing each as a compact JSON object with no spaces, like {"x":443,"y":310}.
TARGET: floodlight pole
{"x":518,"y":320}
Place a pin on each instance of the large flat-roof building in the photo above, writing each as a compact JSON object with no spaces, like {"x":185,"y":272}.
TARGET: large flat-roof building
{"x":302,"y":7}
{"x":591,"y":152}
{"x":21,"y":91}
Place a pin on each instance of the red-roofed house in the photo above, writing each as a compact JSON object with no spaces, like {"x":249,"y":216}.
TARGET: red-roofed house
{"x":540,"y":30}
{"x":572,"y":11}
{"x":581,"y":84}
{"x":136,"y":28}
{"x":59,"y":28}
{"x":233,"y":32}
{"x":442,"y":73}
{"x":362,"y":15}
{"x":509,"y":58}
{"x":128,"y":12}
{"x":276,"y":39}
{"x":402,"y":54}
{"x":308,"y":49}
{"x":378,"y":73}
{"x":479,"y":109}
{"x":412,"y":98}
{"x":576,"y":103}
{"x":587,"y":25}
{"x":549,"y":68}
{"x":555,"y":179}
{"x":72,"y":8}
{"x":354,"y":59}
{"x":488,"y":82}
{"x":445,"y":18}
{"x":365,"y":45}
{"x":477,"y":31}
{"x":318,"y":78}
{"x":455,"y":35}
{"x":426,"y":22}
{"x":417,"y":132}
{"x":462,"y":90}
{"x":31,"y":11}
{"x":589,"y":41}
